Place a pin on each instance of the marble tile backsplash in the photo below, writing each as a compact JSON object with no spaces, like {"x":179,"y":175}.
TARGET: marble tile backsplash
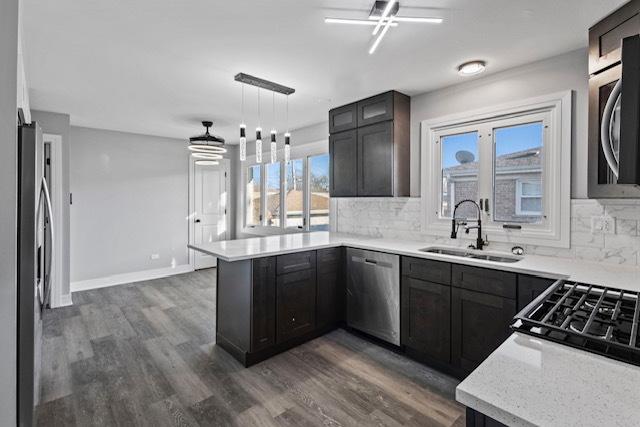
{"x":399,"y":218}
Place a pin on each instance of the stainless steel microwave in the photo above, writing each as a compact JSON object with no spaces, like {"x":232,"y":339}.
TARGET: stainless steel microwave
{"x":614,"y":106}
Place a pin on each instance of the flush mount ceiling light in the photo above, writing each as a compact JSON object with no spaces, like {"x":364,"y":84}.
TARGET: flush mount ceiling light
{"x":206,"y":146}
{"x":471,"y":68}
{"x":383,"y":15}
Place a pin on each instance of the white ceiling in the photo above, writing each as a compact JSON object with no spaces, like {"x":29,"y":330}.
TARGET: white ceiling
{"x":161,"y":66}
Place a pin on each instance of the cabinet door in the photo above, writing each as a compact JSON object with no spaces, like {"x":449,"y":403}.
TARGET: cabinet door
{"x":343,"y":118}
{"x":263,"y":320}
{"x":606,"y":36}
{"x":343,"y":164}
{"x":296,"y":304}
{"x":330,"y":287}
{"x":530,"y":287}
{"x":426,"y":318}
{"x":375,"y":160}
{"x":479,"y":323}
{"x":376,"y":109}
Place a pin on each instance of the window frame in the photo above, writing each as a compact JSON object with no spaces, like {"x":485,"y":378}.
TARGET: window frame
{"x":555,"y":111}
{"x":302,"y":152}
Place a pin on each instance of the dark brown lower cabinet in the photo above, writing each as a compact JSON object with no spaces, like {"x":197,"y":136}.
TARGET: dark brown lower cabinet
{"x":426,"y":318}
{"x":263,"y":313}
{"x":479,"y":324}
{"x":296,"y":304}
{"x":330,"y":294}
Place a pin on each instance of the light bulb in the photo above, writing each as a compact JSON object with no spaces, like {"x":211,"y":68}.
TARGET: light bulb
{"x":259,"y":145}
{"x":274,"y":146}
{"x":243,"y":142}
{"x":287,"y":147}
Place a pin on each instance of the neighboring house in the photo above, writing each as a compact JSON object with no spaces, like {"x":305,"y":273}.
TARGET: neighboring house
{"x":517,"y":187}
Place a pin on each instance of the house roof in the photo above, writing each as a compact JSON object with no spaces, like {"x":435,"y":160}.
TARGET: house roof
{"x":525,"y":159}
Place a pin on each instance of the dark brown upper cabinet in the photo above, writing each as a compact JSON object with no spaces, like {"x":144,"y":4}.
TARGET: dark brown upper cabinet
{"x":606,"y":36}
{"x":343,"y":118}
{"x":343,"y":164}
{"x":372,"y":159}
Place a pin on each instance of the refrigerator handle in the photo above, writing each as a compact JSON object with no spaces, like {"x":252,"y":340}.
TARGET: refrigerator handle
{"x":47,"y":285}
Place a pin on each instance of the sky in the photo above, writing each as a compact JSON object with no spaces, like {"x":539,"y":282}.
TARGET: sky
{"x":508,"y":140}
{"x":319,"y":166}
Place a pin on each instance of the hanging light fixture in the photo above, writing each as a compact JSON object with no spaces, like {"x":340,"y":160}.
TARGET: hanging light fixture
{"x":207,"y":148}
{"x":258,"y":135}
{"x":287,"y":138}
{"x":243,"y":131}
{"x":274,"y":143}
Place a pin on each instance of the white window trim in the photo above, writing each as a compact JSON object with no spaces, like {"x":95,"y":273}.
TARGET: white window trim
{"x":302,"y":151}
{"x":520,"y":196}
{"x":555,"y":232}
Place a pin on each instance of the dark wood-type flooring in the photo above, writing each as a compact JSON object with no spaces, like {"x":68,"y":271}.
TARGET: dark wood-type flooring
{"x":144,"y":354}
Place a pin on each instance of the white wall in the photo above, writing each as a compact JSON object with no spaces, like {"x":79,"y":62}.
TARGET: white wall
{"x":130,"y":200}
{"x":8,"y":195}
{"x":59,"y":124}
{"x":560,"y":73}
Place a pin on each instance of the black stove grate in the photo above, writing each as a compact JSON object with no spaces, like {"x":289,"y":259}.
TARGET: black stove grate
{"x":589,"y":317}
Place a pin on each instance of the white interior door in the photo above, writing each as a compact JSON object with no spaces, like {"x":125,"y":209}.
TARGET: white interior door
{"x":210,"y":213}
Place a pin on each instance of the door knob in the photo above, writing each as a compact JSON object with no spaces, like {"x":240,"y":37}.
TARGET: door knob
{"x":198,"y":220}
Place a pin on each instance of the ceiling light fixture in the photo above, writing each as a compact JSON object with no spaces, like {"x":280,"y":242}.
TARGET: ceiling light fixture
{"x":370,"y":23}
{"x":383,"y":15}
{"x":207,"y":162}
{"x":243,"y":131}
{"x":287,"y":138}
{"x":417,"y":19}
{"x":274,"y":142}
{"x":206,"y":146}
{"x":259,"y":135}
{"x":471,"y":68}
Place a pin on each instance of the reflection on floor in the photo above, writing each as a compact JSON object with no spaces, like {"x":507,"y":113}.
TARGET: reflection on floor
{"x":144,"y":354}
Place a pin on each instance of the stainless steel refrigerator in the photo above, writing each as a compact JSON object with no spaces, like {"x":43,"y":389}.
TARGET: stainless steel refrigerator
{"x":35,"y":256}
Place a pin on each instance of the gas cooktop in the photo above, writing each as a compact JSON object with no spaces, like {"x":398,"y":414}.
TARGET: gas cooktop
{"x":589,"y":317}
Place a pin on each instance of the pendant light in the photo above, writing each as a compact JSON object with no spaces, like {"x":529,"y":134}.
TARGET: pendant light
{"x":258,"y":135}
{"x":274,"y":143}
{"x":243,"y":131}
{"x":287,"y":137}
{"x":207,"y":148}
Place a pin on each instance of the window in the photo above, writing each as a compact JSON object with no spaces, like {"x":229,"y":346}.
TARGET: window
{"x":294,"y":193}
{"x":512,"y":162}
{"x":319,"y":192}
{"x":517,"y":177}
{"x":253,"y":196}
{"x":272,"y":207}
{"x":293,"y":196}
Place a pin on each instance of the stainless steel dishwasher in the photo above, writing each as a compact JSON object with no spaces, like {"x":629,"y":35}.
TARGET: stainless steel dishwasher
{"x":373,"y":293}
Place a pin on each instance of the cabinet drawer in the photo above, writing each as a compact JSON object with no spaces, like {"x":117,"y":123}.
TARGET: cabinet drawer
{"x":376,"y":109}
{"x":484,"y":280}
{"x":530,"y":287}
{"x":343,"y":118}
{"x":330,"y":259}
{"x":295,"y":262}
{"x":426,"y":269}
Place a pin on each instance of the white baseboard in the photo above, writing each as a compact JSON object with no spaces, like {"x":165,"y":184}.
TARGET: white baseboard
{"x":65,"y":300}
{"x":136,"y":276}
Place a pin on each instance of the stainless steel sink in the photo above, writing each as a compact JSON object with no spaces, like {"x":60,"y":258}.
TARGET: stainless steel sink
{"x":465,"y":253}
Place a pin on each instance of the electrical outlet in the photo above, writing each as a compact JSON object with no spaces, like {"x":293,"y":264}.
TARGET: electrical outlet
{"x":603,"y":224}
{"x":155,"y":256}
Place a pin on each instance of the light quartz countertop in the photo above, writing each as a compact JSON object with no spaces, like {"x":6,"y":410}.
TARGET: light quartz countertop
{"x":527,"y":380}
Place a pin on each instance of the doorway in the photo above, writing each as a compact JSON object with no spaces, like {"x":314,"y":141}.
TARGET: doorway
{"x":208,"y":209}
